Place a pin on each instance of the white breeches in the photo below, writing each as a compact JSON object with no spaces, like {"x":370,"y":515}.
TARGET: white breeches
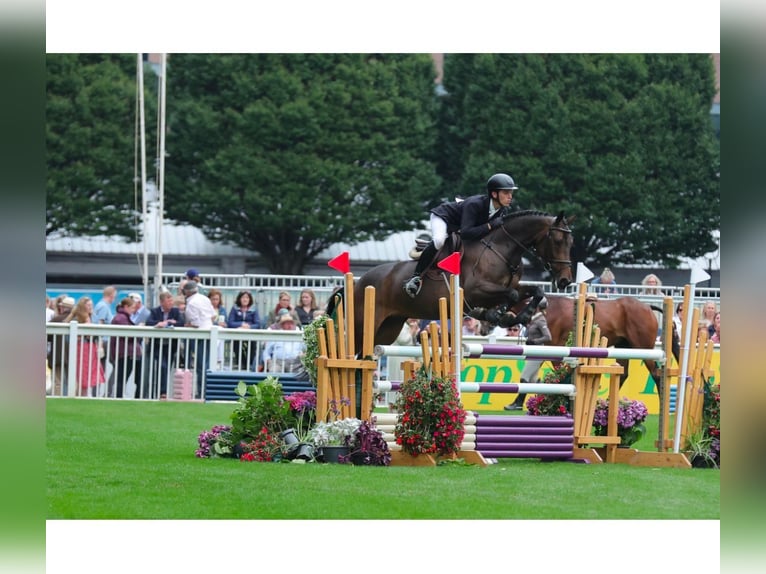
{"x":438,"y":231}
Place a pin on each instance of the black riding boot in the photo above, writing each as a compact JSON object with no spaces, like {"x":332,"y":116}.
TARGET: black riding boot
{"x":413,"y":284}
{"x":518,"y":404}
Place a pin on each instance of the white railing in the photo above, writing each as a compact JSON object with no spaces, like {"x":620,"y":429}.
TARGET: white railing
{"x":83,"y":363}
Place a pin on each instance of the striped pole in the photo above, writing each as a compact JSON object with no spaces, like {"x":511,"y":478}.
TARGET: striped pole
{"x":467,"y":387}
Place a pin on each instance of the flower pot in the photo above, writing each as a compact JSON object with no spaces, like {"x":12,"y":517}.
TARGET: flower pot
{"x":332,"y":453}
{"x":289,"y":437}
{"x":301,"y":451}
{"x":361,"y":458}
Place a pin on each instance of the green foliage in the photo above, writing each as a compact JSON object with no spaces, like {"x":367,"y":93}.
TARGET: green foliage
{"x":622,"y":141}
{"x":260,"y":406}
{"x":291,"y":153}
{"x":90,"y":144}
{"x":311,"y":344}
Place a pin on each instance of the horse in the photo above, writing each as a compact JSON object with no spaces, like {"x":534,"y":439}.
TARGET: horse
{"x":626,"y":322}
{"x":490,"y":272}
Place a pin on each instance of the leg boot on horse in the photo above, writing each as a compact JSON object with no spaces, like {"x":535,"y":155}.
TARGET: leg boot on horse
{"x":414,"y":283}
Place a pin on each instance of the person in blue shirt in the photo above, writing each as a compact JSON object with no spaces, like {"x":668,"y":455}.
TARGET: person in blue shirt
{"x":244,"y":315}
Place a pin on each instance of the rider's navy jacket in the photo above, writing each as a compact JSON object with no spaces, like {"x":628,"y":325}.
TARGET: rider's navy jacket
{"x":469,"y":216}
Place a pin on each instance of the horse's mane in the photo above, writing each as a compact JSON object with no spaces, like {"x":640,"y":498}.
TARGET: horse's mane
{"x":527,"y":212}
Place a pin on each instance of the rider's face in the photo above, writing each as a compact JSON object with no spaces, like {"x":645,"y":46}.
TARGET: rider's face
{"x":504,"y":197}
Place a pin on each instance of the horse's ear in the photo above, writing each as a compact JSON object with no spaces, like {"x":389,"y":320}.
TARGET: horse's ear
{"x":559,"y":217}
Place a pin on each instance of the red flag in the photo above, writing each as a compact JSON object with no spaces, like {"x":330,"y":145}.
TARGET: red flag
{"x":451,"y":264}
{"x":340,"y":263}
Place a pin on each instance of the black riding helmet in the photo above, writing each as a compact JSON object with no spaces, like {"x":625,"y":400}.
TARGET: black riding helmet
{"x":500,"y":181}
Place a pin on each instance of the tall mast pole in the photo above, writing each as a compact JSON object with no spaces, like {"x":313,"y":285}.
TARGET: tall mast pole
{"x":144,"y":203}
{"x":161,"y":188}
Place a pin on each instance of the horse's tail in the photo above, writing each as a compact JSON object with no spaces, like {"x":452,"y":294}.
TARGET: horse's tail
{"x":675,"y":342}
{"x":335,"y":300}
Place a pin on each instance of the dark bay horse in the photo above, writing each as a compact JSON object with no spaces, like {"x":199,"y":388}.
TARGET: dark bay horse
{"x":490,"y":271}
{"x":626,"y":322}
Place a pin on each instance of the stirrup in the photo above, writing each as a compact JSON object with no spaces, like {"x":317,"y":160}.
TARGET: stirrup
{"x":412,"y":286}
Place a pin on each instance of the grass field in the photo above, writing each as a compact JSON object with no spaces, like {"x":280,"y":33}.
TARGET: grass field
{"x":135,"y":460}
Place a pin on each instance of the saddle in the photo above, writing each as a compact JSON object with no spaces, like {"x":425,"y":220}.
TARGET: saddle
{"x":421,"y":241}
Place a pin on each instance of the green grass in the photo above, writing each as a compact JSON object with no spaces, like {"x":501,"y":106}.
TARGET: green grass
{"x":135,"y":460}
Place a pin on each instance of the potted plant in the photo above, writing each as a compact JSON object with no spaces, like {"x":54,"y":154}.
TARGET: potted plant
{"x":296,"y":439}
{"x":699,"y":449}
{"x":431,"y":417}
{"x":630,"y":420}
{"x":266,"y":447}
{"x":333,"y":438}
{"x":368,"y":447}
{"x":260,"y":406}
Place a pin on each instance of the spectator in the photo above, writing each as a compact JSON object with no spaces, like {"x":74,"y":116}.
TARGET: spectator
{"x":58,"y":357}
{"x":678,"y":318}
{"x":89,"y":371}
{"x":103,"y":315}
{"x":709,"y":310}
{"x":471,"y":326}
{"x":307,"y":305}
{"x":516,"y":330}
{"x":49,"y":310}
{"x":199,"y":315}
{"x":244,"y":315}
{"x":179,"y":302}
{"x":216,"y":300}
{"x":716,"y":336}
{"x":284,"y":356}
{"x":102,"y":312}
{"x":125,"y":350}
{"x":537,"y":334}
{"x":284,"y":302}
{"x":140,"y":313}
{"x":164,"y":350}
{"x":651,"y":283}
{"x":193,"y":275}
{"x":606,"y":278}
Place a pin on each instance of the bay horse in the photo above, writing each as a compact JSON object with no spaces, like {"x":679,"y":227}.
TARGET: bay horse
{"x":490,"y":272}
{"x":626,"y":322}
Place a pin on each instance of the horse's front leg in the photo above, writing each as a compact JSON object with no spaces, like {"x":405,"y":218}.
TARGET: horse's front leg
{"x":532,"y":294}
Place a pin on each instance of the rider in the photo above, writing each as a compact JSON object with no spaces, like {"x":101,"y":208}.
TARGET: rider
{"x":473,"y":217}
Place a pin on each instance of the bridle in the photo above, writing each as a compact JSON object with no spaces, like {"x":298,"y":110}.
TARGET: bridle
{"x":546,"y":263}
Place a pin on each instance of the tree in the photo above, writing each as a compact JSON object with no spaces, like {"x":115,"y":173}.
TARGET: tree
{"x":288,"y":154}
{"x":90,"y":137}
{"x":623,"y":142}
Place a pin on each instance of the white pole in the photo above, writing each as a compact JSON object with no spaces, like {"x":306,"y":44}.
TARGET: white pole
{"x":696,"y":276}
{"x":161,"y":188}
{"x":144,"y":204}
{"x":457,"y":331}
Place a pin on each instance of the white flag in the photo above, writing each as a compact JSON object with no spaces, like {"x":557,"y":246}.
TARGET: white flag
{"x":698,"y":274}
{"x":583,"y":273}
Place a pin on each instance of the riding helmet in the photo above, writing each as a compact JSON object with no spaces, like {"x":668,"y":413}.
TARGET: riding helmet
{"x":500,"y":181}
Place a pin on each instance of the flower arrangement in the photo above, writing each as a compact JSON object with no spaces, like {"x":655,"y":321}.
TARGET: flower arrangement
{"x":552,"y":405}
{"x":704,"y":446}
{"x":215,"y":442}
{"x":264,"y":448}
{"x":431,"y":417}
{"x":630,"y":420}
{"x":334,"y":433}
{"x":368,"y":447}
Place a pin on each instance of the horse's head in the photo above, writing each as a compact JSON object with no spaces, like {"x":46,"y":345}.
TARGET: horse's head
{"x":554,"y":247}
